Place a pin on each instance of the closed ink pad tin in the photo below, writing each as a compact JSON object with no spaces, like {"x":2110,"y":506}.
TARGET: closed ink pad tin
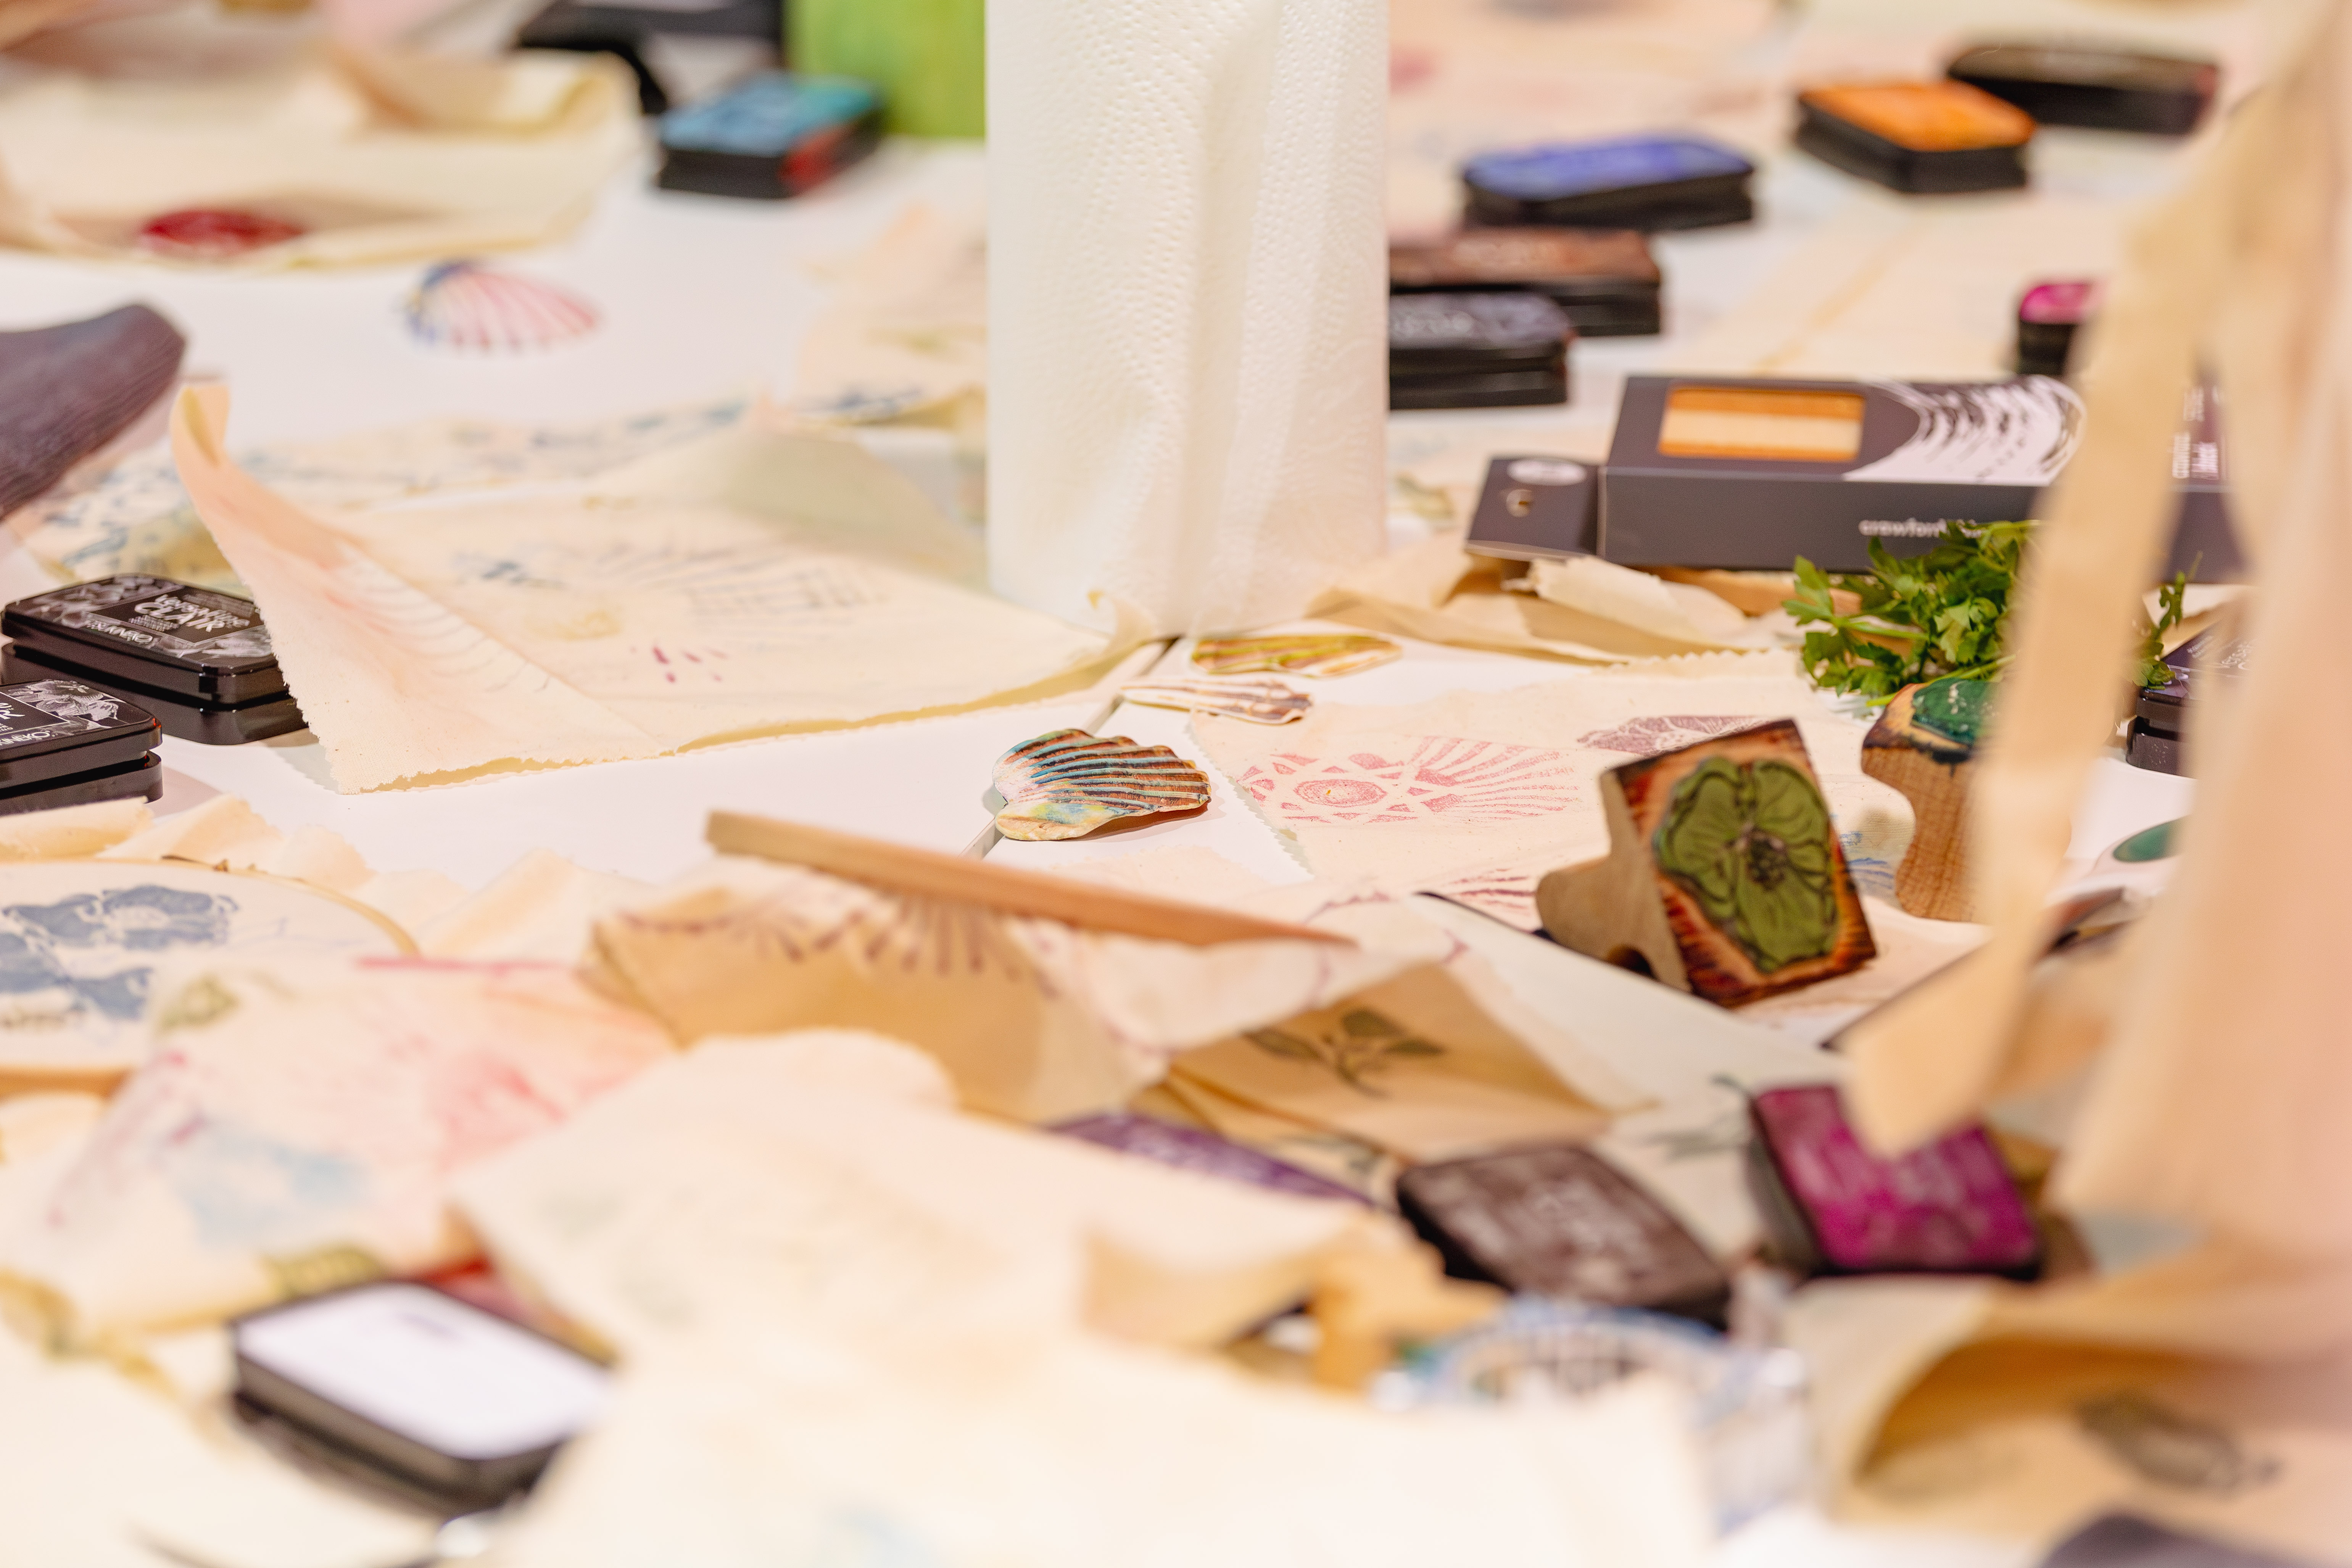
{"x":2159,"y":724}
{"x":1832,"y":1206}
{"x":1647,"y":182}
{"x":199,"y":660}
{"x":2100,"y":89}
{"x":1917,"y":136}
{"x":1559,"y":1220}
{"x":64,"y":742}
{"x":1476,"y":350}
{"x":2047,"y":320}
{"x":1606,"y":280}
{"x":769,"y":136}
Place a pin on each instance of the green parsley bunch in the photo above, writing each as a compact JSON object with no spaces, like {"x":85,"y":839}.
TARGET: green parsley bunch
{"x":1922,"y":617}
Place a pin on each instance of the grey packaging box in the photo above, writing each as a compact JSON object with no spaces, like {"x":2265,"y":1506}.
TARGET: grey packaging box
{"x":1928,"y":455}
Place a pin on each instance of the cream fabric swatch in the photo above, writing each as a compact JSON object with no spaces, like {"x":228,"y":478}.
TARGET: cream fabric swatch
{"x":758,"y":1185}
{"x":1589,"y":612}
{"x":1072,"y":1453}
{"x":297,"y":1129}
{"x":383,"y":157}
{"x":763,"y":581}
{"x":1033,"y":1019}
{"x":905,"y":333}
{"x":102,"y":1470}
{"x":126,"y":510}
{"x":1410,"y":796}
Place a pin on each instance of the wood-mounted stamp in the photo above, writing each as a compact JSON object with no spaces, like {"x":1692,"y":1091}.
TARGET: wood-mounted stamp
{"x":1724,"y":876}
{"x":1925,"y":745}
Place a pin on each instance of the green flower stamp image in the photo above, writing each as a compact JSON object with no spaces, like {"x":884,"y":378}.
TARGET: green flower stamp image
{"x":1753,"y":843}
{"x":1723,"y":876}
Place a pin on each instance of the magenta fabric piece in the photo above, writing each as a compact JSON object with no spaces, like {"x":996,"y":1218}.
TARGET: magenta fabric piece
{"x":1947,"y":1206}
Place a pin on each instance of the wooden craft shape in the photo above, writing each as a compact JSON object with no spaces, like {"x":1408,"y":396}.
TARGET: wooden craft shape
{"x":1925,"y":745}
{"x":958,"y":878}
{"x":1724,"y":876}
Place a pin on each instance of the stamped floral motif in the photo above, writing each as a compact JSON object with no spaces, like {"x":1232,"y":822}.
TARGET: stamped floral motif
{"x":2172,"y":1449}
{"x":1355,"y":1046}
{"x":1442,"y":780}
{"x":1752,"y":844}
{"x":1654,"y":734}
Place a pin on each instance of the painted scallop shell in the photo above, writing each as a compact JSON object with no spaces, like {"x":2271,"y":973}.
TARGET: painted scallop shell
{"x":464,"y":305}
{"x":1319,"y":654}
{"x":1066,"y":782}
{"x":1261,"y":702}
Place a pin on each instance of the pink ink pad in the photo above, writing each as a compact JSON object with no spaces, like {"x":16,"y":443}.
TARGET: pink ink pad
{"x":1834,"y":1207}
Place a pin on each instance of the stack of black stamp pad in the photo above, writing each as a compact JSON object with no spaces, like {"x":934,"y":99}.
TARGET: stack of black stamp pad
{"x":1476,"y":350}
{"x":200,"y":661}
{"x":63,"y":743}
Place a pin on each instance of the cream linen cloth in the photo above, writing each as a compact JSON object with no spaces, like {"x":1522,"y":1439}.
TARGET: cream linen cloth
{"x":1187,"y":282}
{"x":761,"y":580}
{"x":1032,"y":1018}
{"x":861,"y":1325}
{"x":381,"y":156}
{"x":297,"y":1129}
{"x":1076,"y":1453}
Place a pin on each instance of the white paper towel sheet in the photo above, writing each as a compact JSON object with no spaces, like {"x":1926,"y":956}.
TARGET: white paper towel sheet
{"x":1187,"y":297}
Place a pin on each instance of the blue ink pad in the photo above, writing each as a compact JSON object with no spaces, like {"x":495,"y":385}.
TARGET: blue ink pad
{"x":1476,"y":350}
{"x":1646,"y":182}
{"x":769,"y":136}
{"x":198,"y":661}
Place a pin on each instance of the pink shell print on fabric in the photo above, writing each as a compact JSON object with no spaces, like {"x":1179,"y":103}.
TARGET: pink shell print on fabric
{"x":1654,"y":734}
{"x":464,"y":305}
{"x":1507,"y":893}
{"x":1444,"y":779}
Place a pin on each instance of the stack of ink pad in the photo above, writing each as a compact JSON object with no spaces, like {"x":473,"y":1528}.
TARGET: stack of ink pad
{"x":773,"y":135}
{"x":1606,"y":280}
{"x":1476,"y":350}
{"x":63,"y":743}
{"x":1646,"y":182}
{"x":198,"y":661}
{"x":2157,"y":737}
{"x":1969,"y":130}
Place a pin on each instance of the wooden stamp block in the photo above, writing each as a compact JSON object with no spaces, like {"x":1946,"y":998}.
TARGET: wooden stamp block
{"x":1724,"y":876}
{"x":1925,"y":745}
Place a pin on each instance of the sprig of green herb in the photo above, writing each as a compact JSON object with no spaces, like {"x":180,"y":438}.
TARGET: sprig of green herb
{"x":1923,"y":617}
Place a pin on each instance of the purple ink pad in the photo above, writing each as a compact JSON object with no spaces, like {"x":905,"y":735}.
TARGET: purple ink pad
{"x":1834,"y":1207}
{"x":1560,"y":1221}
{"x":1191,"y":1149}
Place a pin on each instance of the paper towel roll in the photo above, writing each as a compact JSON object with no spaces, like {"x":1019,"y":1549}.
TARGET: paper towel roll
{"x":1187,"y":283}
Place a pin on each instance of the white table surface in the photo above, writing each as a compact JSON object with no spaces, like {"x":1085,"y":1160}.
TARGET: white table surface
{"x":702,"y":296}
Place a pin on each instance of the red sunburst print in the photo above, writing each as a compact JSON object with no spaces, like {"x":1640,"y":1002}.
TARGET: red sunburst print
{"x":1444,"y":779}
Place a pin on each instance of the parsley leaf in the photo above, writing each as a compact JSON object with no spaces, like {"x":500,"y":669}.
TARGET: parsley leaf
{"x":1922,"y":617}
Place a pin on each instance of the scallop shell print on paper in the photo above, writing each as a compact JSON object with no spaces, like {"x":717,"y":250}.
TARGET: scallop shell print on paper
{"x":1320,"y":654}
{"x":1065,"y":784}
{"x":1260,"y":702}
{"x":467,"y":306}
